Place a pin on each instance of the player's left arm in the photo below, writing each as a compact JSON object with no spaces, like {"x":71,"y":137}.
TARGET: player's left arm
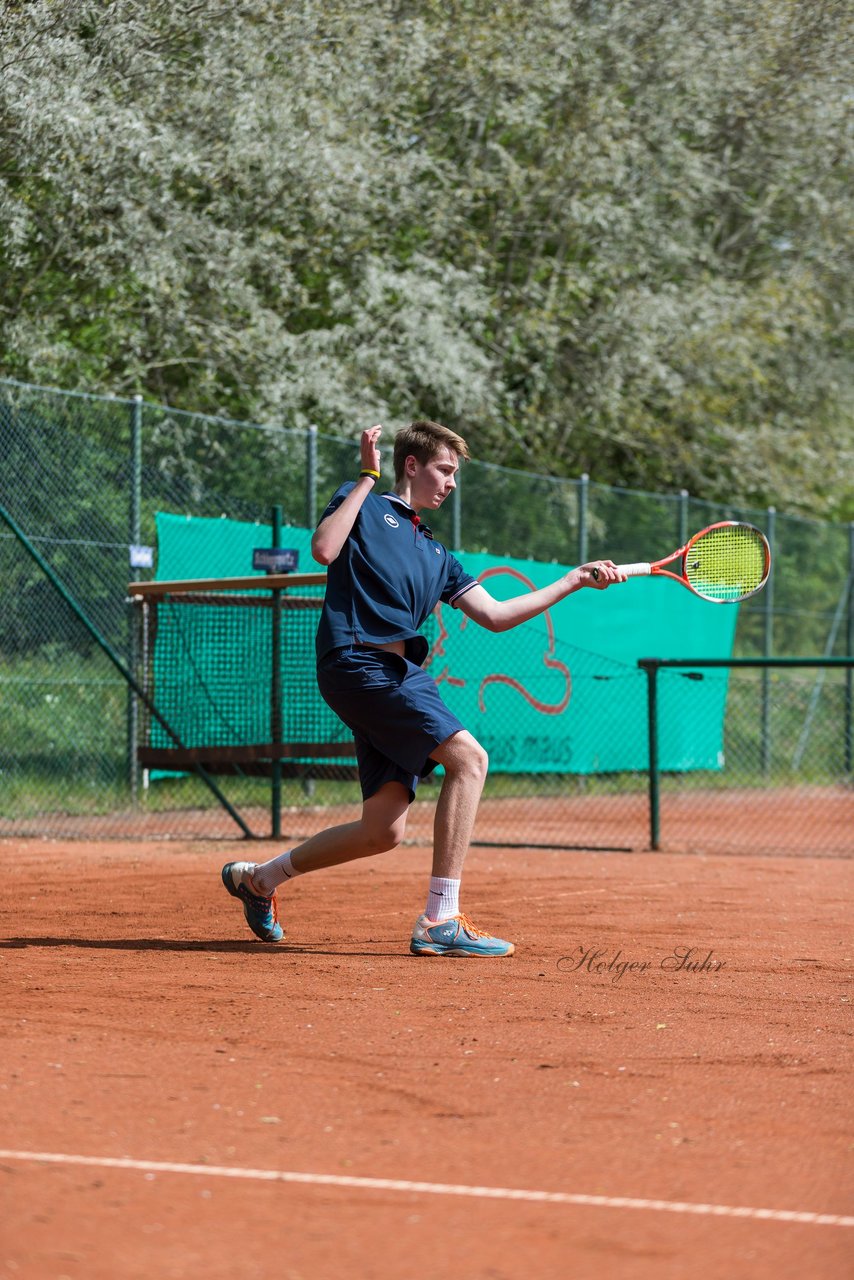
{"x":501,"y":615}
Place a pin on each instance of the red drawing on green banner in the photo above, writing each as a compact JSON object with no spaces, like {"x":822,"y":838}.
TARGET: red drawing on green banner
{"x":548,"y":658}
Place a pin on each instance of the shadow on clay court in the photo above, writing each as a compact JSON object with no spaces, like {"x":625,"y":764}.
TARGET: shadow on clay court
{"x":386,"y":947}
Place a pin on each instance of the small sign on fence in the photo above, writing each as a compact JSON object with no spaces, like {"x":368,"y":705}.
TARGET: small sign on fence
{"x":141,"y":557}
{"x":275,"y":559}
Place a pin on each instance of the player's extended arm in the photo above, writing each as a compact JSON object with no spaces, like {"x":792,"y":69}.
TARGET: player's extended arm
{"x":501,"y":615}
{"x":331,"y":534}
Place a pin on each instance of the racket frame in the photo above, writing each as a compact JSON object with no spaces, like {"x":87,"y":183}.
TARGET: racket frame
{"x":655,"y":567}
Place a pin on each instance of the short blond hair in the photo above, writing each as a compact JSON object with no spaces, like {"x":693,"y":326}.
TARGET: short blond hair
{"x":423,"y":440}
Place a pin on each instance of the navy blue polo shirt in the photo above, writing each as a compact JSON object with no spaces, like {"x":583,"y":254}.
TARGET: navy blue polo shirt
{"x":387,"y":579}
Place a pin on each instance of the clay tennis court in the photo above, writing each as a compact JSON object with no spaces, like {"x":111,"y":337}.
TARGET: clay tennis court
{"x":332,"y":1106}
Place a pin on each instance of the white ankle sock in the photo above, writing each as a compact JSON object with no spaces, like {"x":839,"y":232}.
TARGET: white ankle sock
{"x":443,"y":900}
{"x":267,"y":876}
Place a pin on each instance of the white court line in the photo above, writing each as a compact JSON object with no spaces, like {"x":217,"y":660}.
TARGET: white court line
{"x":432,"y":1188}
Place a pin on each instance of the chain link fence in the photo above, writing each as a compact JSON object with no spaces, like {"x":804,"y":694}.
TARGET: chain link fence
{"x":83,"y":479}
{"x":783,"y":781}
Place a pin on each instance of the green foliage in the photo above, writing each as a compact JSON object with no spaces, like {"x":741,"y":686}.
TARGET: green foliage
{"x":604,"y":238}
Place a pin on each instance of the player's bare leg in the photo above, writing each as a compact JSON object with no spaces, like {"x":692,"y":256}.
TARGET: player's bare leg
{"x":443,"y":929}
{"x":466,"y":764}
{"x":381,"y":827}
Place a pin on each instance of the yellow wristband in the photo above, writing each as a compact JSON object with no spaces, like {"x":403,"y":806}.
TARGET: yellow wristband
{"x":366,"y":471}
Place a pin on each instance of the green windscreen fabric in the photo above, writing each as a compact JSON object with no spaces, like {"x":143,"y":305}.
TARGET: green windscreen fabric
{"x":561,"y":693}
{"x":211,"y":660}
{"x":199,"y":547}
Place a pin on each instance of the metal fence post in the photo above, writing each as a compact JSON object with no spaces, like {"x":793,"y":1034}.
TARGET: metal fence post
{"x":848,"y":729}
{"x":683,"y":517}
{"x":311,"y":476}
{"x":457,"y":515}
{"x":768,"y":646}
{"x":583,"y":497}
{"x":276,"y":734}
{"x":650,"y":666}
{"x":135,"y":537}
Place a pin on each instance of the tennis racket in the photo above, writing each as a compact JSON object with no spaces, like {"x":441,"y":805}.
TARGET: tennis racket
{"x":725,"y":563}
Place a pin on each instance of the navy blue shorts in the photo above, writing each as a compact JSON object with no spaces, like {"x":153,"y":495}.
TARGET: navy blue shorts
{"x":394,"y":711}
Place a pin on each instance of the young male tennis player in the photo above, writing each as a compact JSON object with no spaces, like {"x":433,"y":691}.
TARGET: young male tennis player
{"x":386,"y":575}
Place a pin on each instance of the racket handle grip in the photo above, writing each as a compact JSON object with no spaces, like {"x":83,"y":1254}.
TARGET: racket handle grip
{"x":639,"y":570}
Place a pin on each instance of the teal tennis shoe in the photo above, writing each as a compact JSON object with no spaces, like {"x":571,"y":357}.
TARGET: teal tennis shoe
{"x":456,"y":936}
{"x":262,"y":914}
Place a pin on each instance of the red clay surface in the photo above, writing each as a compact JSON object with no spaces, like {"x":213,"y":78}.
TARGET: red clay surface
{"x":781,"y":820}
{"x":141,"y":1021}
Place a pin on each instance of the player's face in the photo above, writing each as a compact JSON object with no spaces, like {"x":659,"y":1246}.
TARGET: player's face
{"x":432,"y":481}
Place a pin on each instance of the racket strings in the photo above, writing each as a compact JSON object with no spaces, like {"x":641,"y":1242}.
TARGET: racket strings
{"x":728,"y":564}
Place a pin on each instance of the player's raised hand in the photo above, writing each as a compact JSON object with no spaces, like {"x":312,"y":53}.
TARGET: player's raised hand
{"x":370,"y":451}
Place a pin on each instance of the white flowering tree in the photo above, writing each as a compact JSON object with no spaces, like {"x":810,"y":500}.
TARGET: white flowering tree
{"x":603,"y":237}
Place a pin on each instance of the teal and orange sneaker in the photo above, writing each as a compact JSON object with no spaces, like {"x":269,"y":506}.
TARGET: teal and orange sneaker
{"x":456,"y":936}
{"x":262,"y":914}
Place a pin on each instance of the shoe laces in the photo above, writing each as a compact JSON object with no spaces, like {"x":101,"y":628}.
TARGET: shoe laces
{"x":268,"y":900}
{"x":472,"y":928}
